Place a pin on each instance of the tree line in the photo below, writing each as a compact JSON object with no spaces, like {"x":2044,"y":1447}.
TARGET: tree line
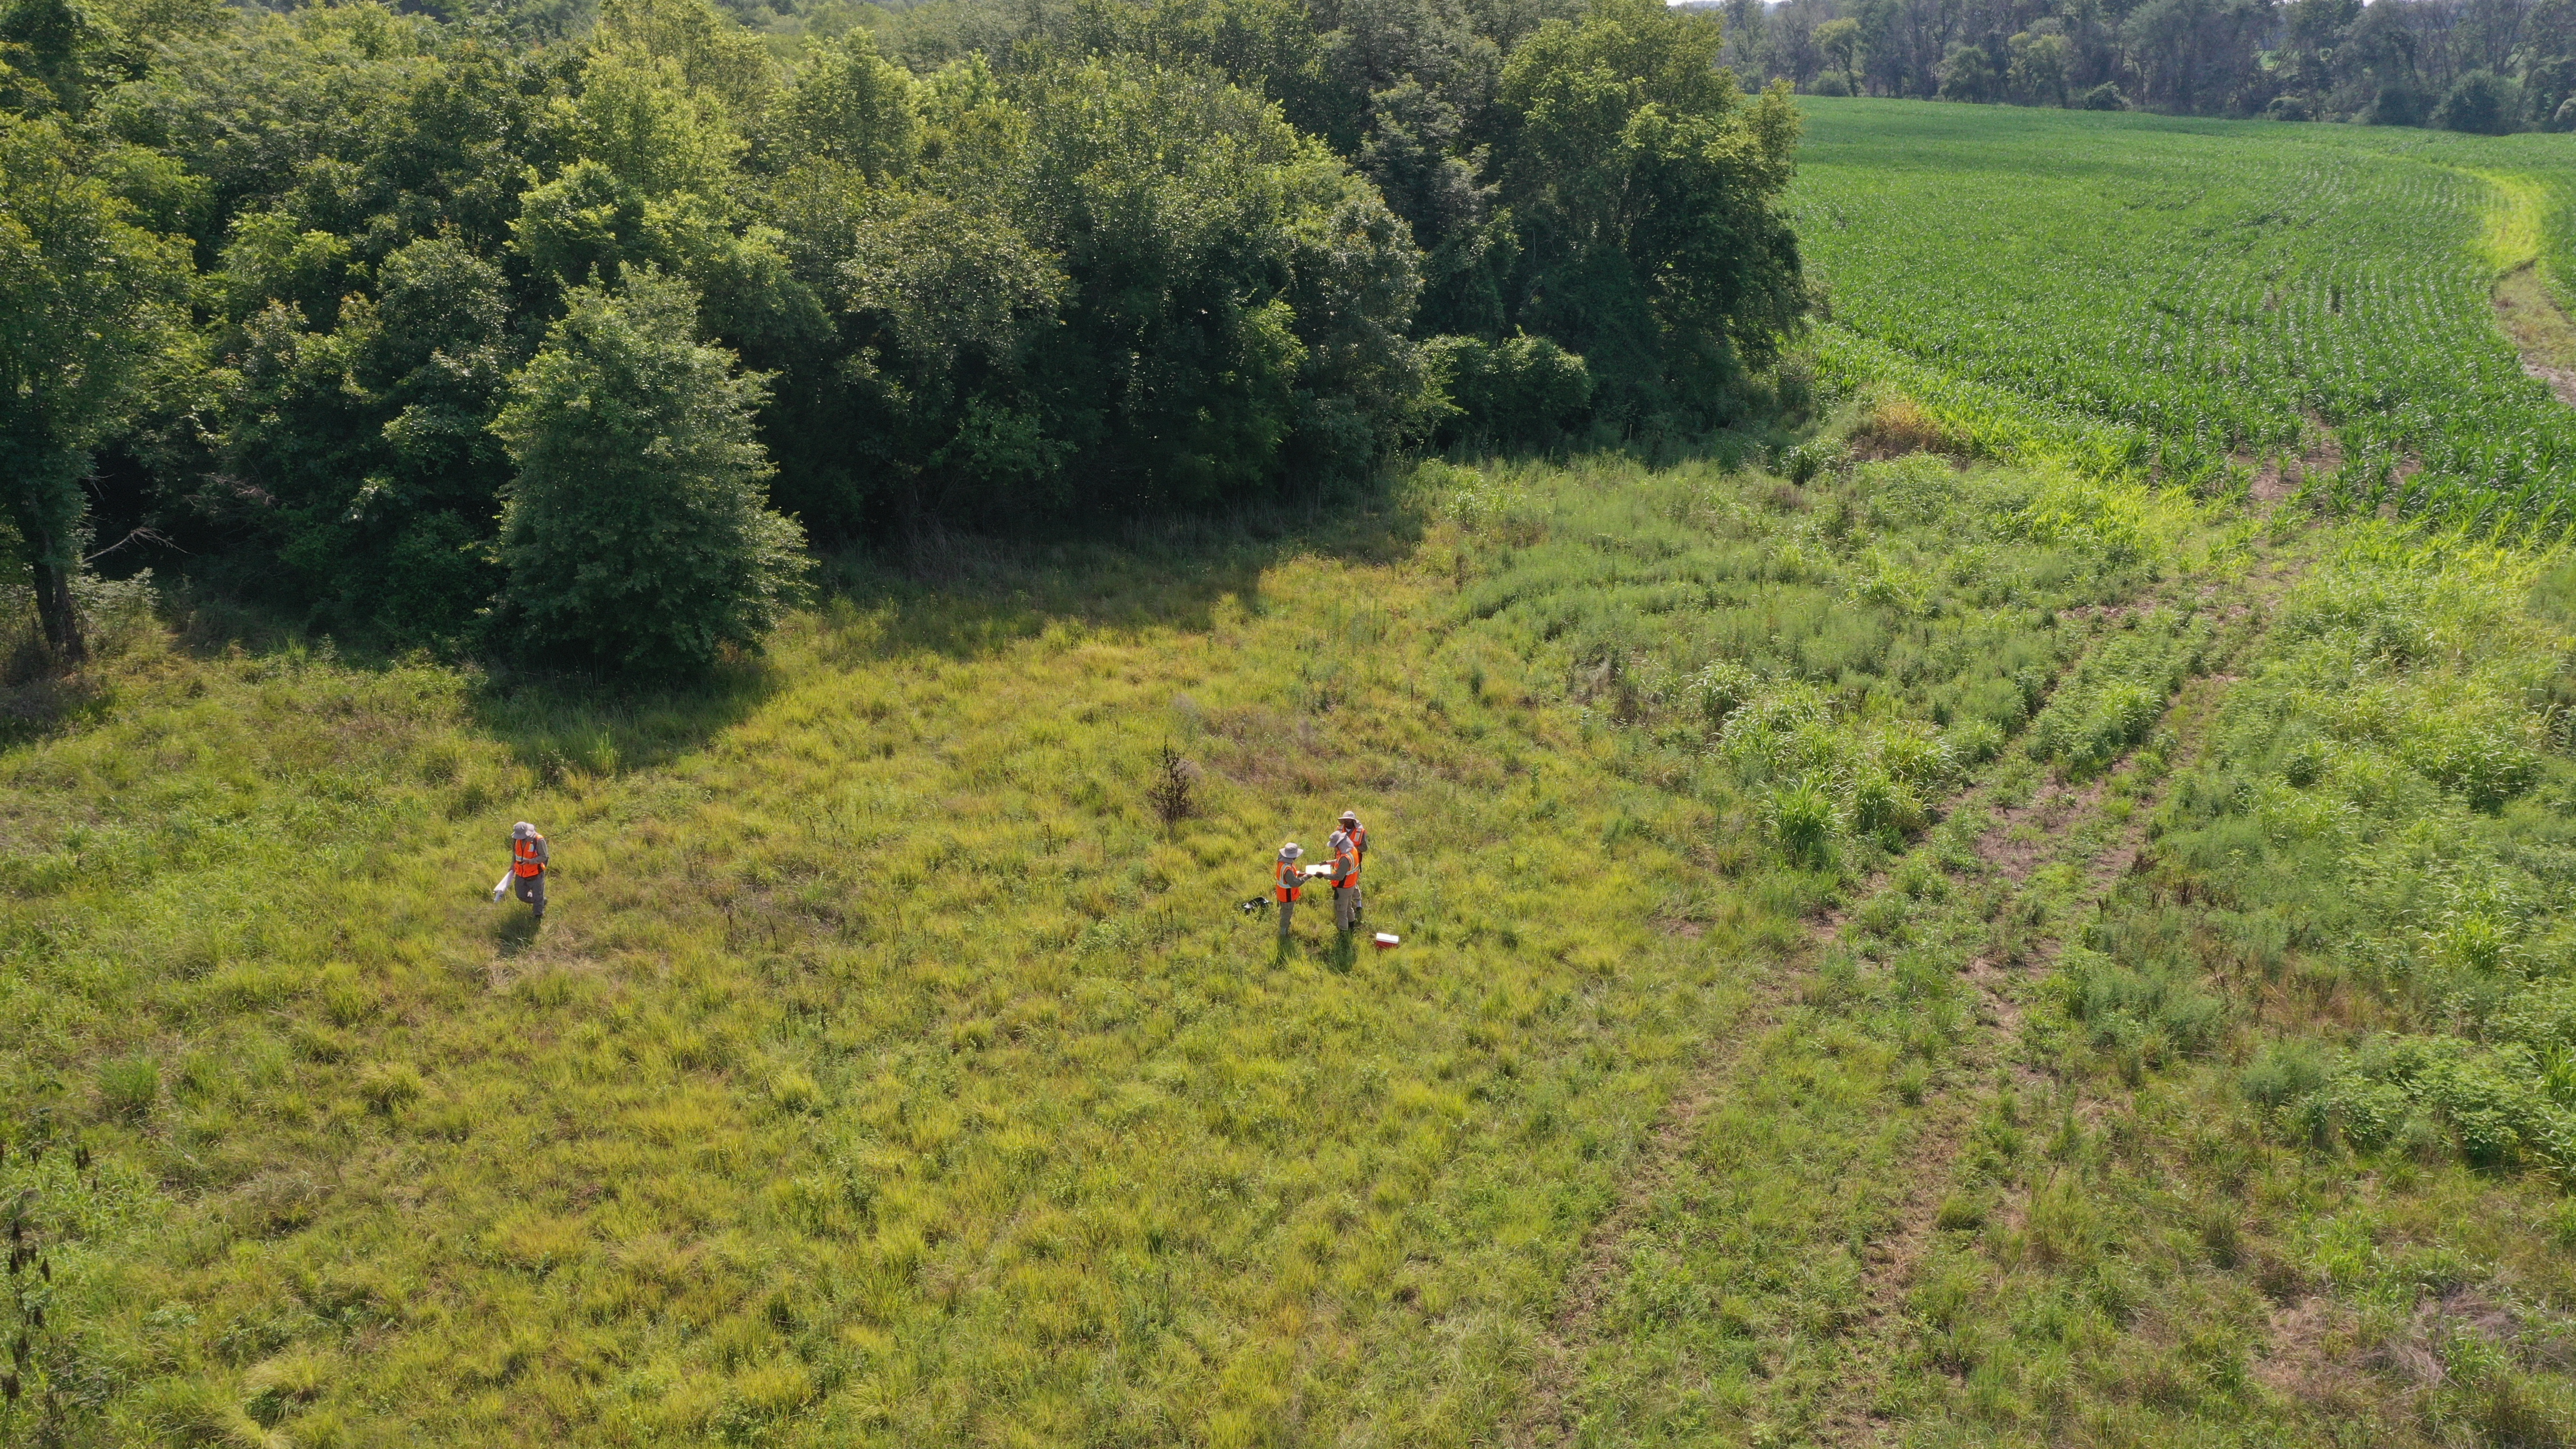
{"x":2487,"y":66}
{"x":541,"y":330}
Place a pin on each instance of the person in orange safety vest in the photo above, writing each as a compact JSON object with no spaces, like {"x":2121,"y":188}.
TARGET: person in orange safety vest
{"x":1288,"y":883}
{"x":1349,"y":845}
{"x":528,"y":862}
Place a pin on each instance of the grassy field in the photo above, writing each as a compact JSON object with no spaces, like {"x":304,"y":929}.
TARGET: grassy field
{"x":1961,"y":930}
{"x":885,"y":1071}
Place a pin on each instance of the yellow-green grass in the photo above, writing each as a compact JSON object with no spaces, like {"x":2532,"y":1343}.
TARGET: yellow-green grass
{"x":884,"y":1071}
{"x":2296,"y":1172}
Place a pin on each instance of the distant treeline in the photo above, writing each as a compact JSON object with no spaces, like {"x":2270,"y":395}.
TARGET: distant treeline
{"x":538,"y":327}
{"x":2488,"y":66}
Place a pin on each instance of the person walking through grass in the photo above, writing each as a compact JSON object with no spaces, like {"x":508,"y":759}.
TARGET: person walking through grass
{"x":528,"y":862}
{"x":1288,"y":881}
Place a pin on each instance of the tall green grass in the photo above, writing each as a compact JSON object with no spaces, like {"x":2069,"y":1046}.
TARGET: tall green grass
{"x":886,"y":1070}
{"x":2297,"y":1173}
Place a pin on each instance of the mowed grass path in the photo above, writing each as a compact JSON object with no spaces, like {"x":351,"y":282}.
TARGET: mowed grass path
{"x":884,"y":1072}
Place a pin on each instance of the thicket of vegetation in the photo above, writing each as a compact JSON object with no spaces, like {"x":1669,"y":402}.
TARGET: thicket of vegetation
{"x":274,"y":278}
{"x":2486,"y":66}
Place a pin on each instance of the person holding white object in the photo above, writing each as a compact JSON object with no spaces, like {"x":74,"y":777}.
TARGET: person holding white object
{"x":1346,"y":875}
{"x":529,"y":860}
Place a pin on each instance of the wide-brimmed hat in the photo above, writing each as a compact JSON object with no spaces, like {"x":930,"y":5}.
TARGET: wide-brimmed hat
{"x":522,"y":830}
{"x":1352,"y":816}
{"x":1291,"y":851}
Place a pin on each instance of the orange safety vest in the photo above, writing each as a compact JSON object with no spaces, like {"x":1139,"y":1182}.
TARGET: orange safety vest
{"x":1290,"y":877}
{"x":523,"y":857}
{"x":1359,"y":842}
{"x":1346,"y":862}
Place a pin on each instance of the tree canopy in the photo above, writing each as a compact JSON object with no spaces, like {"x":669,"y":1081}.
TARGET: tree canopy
{"x":1006,"y":264}
{"x":2486,"y":66}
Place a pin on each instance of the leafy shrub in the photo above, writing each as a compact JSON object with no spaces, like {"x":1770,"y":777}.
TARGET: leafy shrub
{"x":1522,"y":390}
{"x":2470,"y":758}
{"x":2482,"y":103}
{"x":2485,"y":1099}
{"x":2399,"y":103}
{"x":636,"y":533}
{"x":2105,"y":97}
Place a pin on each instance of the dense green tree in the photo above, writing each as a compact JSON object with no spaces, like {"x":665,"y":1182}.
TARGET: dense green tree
{"x":849,"y":107}
{"x":2480,"y":102}
{"x":367,"y":449}
{"x":636,"y":535}
{"x":1839,"y":41}
{"x":92,"y":315}
{"x":1646,"y":191}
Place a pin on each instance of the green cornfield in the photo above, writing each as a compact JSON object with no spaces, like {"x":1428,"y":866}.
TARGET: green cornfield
{"x":2188,"y":296}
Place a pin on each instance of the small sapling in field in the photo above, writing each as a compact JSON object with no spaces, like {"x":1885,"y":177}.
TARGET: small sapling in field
{"x":1173,"y":794}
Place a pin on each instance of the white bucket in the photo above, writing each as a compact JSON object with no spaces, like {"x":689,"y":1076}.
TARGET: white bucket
{"x":1383,"y":941}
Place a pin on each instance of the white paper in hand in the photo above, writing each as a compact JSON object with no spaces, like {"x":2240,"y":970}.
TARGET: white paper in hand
{"x":500,"y":888}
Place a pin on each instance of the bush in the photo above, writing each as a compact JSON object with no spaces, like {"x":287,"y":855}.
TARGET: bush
{"x":2399,"y":104}
{"x":1523,"y":390}
{"x":2105,"y":97}
{"x":636,"y":535}
{"x":2481,"y":103}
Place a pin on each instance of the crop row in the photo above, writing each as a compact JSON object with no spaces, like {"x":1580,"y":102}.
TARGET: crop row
{"x":2220,"y":293}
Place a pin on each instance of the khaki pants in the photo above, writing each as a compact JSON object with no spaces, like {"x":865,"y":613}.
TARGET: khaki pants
{"x":1287,"y":913}
{"x":1346,"y":906}
{"x":532,"y":889}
